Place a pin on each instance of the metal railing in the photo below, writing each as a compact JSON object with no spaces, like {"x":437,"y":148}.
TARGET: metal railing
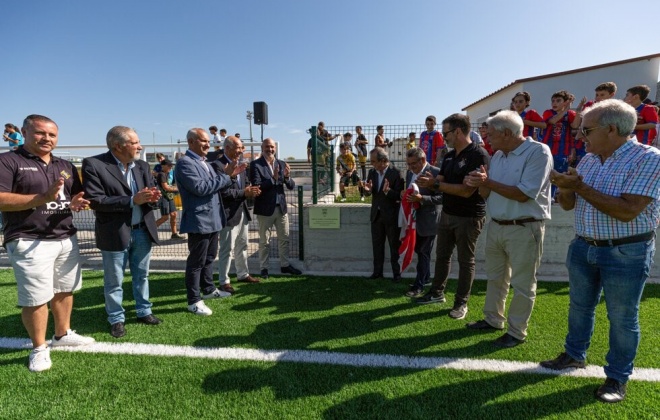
{"x":176,"y":248}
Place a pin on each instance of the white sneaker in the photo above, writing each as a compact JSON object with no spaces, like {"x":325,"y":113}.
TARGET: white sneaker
{"x":40,"y":359}
{"x":361,"y":198}
{"x":72,"y":339}
{"x":217,"y":293}
{"x":200,"y":308}
{"x":342,"y":200}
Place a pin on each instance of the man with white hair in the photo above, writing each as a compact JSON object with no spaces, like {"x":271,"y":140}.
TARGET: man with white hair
{"x":517,"y":192}
{"x":615,"y":194}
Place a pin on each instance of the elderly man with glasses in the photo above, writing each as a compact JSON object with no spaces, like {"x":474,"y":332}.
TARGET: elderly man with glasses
{"x":517,"y":192}
{"x":615,"y":194}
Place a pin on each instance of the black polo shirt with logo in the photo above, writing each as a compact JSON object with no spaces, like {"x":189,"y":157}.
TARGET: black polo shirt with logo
{"x":24,"y":173}
{"x":454,"y":169}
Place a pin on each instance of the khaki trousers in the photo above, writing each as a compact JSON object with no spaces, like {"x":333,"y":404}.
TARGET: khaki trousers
{"x":513,"y":254}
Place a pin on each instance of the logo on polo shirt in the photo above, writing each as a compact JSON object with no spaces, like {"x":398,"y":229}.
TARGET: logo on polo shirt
{"x":65,"y":174}
{"x":62,"y":204}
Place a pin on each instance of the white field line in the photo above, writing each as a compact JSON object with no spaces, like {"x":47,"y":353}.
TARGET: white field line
{"x":322,"y":357}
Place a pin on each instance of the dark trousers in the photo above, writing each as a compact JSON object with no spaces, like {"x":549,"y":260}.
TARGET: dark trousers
{"x":381,"y":230}
{"x":423,"y":247}
{"x":462,"y":233}
{"x":203,"y":248}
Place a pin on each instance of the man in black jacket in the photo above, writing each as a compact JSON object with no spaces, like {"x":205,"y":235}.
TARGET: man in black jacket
{"x":385,"y":183}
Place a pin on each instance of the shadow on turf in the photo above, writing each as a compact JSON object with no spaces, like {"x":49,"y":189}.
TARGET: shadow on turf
{"x":460,"y":398}
{"x":470,"y":399}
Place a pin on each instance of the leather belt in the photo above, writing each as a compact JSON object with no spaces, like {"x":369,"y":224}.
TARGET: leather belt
{"x":642,"y":237}
{"x":140,"y":225}
{"x":516,"y":222}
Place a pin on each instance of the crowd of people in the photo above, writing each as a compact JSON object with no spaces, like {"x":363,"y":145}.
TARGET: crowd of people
{"x":609,"y":173}
{"x":614,"y":188}
{"x":39,"y":192}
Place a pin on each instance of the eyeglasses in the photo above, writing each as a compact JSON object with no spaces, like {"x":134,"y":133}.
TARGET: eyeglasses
{"x":585,"y":131}
{"x":450,"y":131}
{"x":415,"y":163}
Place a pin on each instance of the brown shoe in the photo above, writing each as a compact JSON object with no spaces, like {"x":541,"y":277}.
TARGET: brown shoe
{"x":249,"y":279}
{"x":227,"y":288}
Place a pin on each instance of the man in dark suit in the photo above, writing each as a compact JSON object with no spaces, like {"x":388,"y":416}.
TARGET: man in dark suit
{"x":271,"y":175}
{"x":463,"y":213}
{"x":121,"y":192}
{"x":426,"y":217}
{"x":202,"y":218}
{"x":384,"y":182}
{"x":234,"y":234}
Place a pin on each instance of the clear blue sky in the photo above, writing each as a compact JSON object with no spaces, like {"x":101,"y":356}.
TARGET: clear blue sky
{"x":163,"y":67}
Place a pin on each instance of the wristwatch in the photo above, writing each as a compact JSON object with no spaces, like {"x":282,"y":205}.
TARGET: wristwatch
{"x":436,"y":185}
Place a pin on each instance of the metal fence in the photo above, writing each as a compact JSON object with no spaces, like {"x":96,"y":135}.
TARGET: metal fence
{"x":178,"y":249}
{"x":323,"y":155}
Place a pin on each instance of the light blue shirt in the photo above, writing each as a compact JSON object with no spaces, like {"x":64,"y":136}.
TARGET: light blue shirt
{"x":128,"y":176}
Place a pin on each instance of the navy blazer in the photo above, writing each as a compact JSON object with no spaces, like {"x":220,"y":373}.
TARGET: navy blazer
{"x":110,"y":198}
{"x":272,"y":192}
{"x":386,"y":204}
{"x":233,"y":196}
{"x":202,"y":208}
{"x":427,"y":215}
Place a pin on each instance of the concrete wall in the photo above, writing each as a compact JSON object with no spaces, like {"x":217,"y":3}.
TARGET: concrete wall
{"x":349,"y":249}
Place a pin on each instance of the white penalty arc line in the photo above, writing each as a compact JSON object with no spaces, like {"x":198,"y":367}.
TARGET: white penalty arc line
{"x":332,"y":358}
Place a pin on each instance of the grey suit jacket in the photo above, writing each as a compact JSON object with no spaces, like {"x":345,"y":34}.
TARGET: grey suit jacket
{"x":428,"y":214}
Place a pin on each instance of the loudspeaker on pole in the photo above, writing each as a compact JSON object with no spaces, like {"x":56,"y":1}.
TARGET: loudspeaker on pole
{"x":261,"y":113}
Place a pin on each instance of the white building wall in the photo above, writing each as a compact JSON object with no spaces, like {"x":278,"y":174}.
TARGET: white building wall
{"x":579,"y":84}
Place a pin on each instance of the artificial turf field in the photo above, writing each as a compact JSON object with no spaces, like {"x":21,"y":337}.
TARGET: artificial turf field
{"x":345,"y":318}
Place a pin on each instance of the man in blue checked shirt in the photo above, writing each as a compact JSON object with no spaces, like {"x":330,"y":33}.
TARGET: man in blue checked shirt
{"x":615,"y":194}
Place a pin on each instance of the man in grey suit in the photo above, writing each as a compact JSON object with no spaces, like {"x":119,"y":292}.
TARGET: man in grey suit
{"x":122,"y":194}
{"x":234,"y":234}
{"x":426,"y":216}
{"x":202,"y":218}
{"x":463,"y":213}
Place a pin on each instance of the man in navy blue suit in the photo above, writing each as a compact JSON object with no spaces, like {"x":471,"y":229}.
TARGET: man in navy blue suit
{"x":271,"y":175}
{"x":202,"y":218}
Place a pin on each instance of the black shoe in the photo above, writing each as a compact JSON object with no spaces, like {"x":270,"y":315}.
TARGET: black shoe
{"x":507,"y":341}
{"x":481,"y":325}
{"x":289,"y":269}
{"x":612,"y":391}
{"x":117,"y":330}
{"x":561,"y":362}
{"x":149,"y":320}
{"x":396,"y":278}
{"x":264,"y":274}
{"x":375,"y":276}
{"x":431,"y":297}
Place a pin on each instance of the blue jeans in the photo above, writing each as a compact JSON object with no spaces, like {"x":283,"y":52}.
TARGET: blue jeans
{"x":137,"y":255}
{"x":621,"y":272}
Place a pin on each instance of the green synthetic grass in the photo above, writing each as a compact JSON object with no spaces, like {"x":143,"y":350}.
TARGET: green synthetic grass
{"x":316,"y":313}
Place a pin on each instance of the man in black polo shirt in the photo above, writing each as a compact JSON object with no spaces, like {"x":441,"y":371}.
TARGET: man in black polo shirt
{"x":37,"y":193}
{"x":463,"y":213}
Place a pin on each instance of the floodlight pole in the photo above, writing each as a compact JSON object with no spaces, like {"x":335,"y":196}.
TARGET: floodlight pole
{"x":249,"y":118}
